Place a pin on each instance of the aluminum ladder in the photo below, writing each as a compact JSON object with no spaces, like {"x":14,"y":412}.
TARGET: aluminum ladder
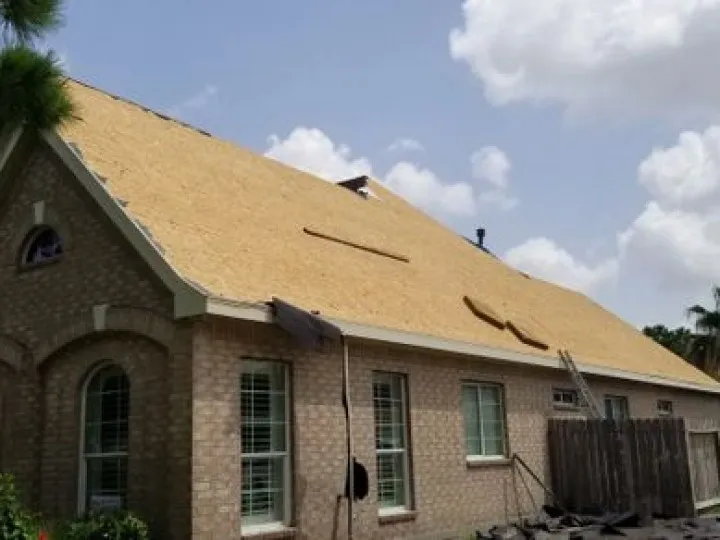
{"x":589,"y":402}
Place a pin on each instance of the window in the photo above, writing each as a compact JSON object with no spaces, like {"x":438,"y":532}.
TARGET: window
{"x":391,"y":441}
{"x":616,"y":408}
{"x":264,"y":405}
{"x":484,"y":418}
{"x":106,"y":411}
{"x":565,"y":398}
{"x":43,"y":245}
{"x":665,"y":407}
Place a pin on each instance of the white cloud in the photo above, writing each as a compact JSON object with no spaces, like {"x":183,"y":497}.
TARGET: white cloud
{"x":197,"y":101}
{"x":405,"y":145}
{"x":641,"y":55}
{"x":686,"y":174}
{"x":677,"y":235}
{"x":425,"y":190}
{"x":311,"y":150}
{"x":680,"y":248}
{"x":544,"y":259}
{"x":491,"y":166}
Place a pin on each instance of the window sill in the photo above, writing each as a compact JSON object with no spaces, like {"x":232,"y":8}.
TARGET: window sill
{"x":278,"y":532}
{"x":396,"y":516}
{"x":29,"y":267}
{"x":481,"y":462}
{"x":566,"y":407}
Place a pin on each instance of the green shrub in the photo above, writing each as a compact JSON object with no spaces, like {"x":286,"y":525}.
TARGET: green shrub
{"x":117,"y":525}
{"x":16,"y":522}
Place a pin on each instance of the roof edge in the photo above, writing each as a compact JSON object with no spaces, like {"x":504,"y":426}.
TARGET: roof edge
{"x":186,"y":296}
{"x":261,"y":312}
{"x":9,"y":139}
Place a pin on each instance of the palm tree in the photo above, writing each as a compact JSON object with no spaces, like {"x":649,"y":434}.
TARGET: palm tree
{"x":32,"y":84}
{"x":705,"y":344}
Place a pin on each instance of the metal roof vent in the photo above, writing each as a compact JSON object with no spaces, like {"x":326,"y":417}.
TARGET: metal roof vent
{"x":358,"y":185}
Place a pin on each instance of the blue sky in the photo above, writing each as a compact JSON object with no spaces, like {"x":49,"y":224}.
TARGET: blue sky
{"x":561,"y":102}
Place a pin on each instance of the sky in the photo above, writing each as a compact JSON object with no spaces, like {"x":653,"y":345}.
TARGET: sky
{"x":583,"y":135}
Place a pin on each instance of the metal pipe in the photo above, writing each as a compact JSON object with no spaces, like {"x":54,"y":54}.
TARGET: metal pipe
{"x":348,"y":434}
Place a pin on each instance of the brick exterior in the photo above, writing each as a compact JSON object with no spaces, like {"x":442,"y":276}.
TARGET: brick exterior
{"x":449,"y":495}
{"x":49,"y":338}
{"x":185,"y":455}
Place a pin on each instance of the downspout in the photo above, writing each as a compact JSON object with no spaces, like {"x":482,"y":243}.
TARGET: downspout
{"x":310,"y":330}
{"x":348,"y":432}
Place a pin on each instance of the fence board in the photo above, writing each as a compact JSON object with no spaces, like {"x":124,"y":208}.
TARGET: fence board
{"x":637,"y":464}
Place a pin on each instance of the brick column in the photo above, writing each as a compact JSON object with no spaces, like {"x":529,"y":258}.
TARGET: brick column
{"x":179,"y":435}
{"x":25,"y":435}
{"x":216,"y":454}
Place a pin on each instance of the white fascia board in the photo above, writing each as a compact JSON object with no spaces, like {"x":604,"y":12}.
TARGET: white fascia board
{"x":261,"y":313}
{"x":187,"y":297}
{"x":8,"y":142}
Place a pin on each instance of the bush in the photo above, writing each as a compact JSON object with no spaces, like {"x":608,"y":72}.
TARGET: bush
{"x":16,"y":522}
{"x":118,"y":525}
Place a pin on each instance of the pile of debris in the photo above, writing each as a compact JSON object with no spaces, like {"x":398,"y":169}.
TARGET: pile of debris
{"x":553,"y":523}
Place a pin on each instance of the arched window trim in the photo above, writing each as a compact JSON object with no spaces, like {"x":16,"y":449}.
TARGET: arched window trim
{"x":82,"y":455}
{"x":30,"y":238}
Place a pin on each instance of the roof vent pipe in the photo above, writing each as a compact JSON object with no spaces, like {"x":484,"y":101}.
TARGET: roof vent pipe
{"x":480,"y":237}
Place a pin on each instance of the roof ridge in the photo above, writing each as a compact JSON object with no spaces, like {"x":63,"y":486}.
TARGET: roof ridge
{"x":145,"y":108}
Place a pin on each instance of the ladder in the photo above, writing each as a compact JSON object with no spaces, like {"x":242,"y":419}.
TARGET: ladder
{"x":588,"y":399}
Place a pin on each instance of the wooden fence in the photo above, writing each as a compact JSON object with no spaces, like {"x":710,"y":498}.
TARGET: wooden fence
{"x":705,"y":467}
{"x":637,"y":464}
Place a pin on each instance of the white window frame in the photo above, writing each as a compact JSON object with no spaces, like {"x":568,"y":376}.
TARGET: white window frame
{"x":664,"y":411}
{"x":613,"y":399}
{"x":476,"y":387}
{"x":83,"y":455}
{"x":575,"y":402}
{"x":383,"y":377}
{"x":254,"y":528}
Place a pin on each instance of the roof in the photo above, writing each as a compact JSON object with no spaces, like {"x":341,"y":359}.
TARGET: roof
{"x":246,"y":227}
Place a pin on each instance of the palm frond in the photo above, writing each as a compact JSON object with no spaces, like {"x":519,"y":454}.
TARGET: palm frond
{"x":33,"y":89}
{"x":26,"y":20}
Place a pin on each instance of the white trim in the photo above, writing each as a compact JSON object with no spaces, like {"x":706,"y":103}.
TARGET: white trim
{"x":100,"y":316}
{"x":707,"y":504}
{"x":264,"y":528}
{"x":475,"y":460}
{"x":288,"y":473}
{"x":392,"y":511}
{"x":82,"y":456}
{"x":407,"y":443}
{"x":259,"y":312}
{"x":477,"y":387}
{"x":39,"y":212}
{"x":8,"y":142}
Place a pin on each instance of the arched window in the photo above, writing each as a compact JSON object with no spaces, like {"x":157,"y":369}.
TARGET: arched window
{"x":42,"y":245}
{"x":104,"y":455}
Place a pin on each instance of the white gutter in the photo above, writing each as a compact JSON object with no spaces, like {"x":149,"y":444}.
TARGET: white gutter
{"x":261,"y":313}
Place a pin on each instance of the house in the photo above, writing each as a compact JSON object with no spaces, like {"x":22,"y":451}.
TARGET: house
{"x":141,"y":363}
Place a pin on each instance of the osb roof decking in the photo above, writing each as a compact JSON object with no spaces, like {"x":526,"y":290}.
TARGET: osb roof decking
{"x":233,"y":221}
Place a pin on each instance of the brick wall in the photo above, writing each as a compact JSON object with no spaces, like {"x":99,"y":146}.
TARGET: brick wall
{"x":449,"y":494}
{"x":146,"y":366}
{"x":46,"y":313}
